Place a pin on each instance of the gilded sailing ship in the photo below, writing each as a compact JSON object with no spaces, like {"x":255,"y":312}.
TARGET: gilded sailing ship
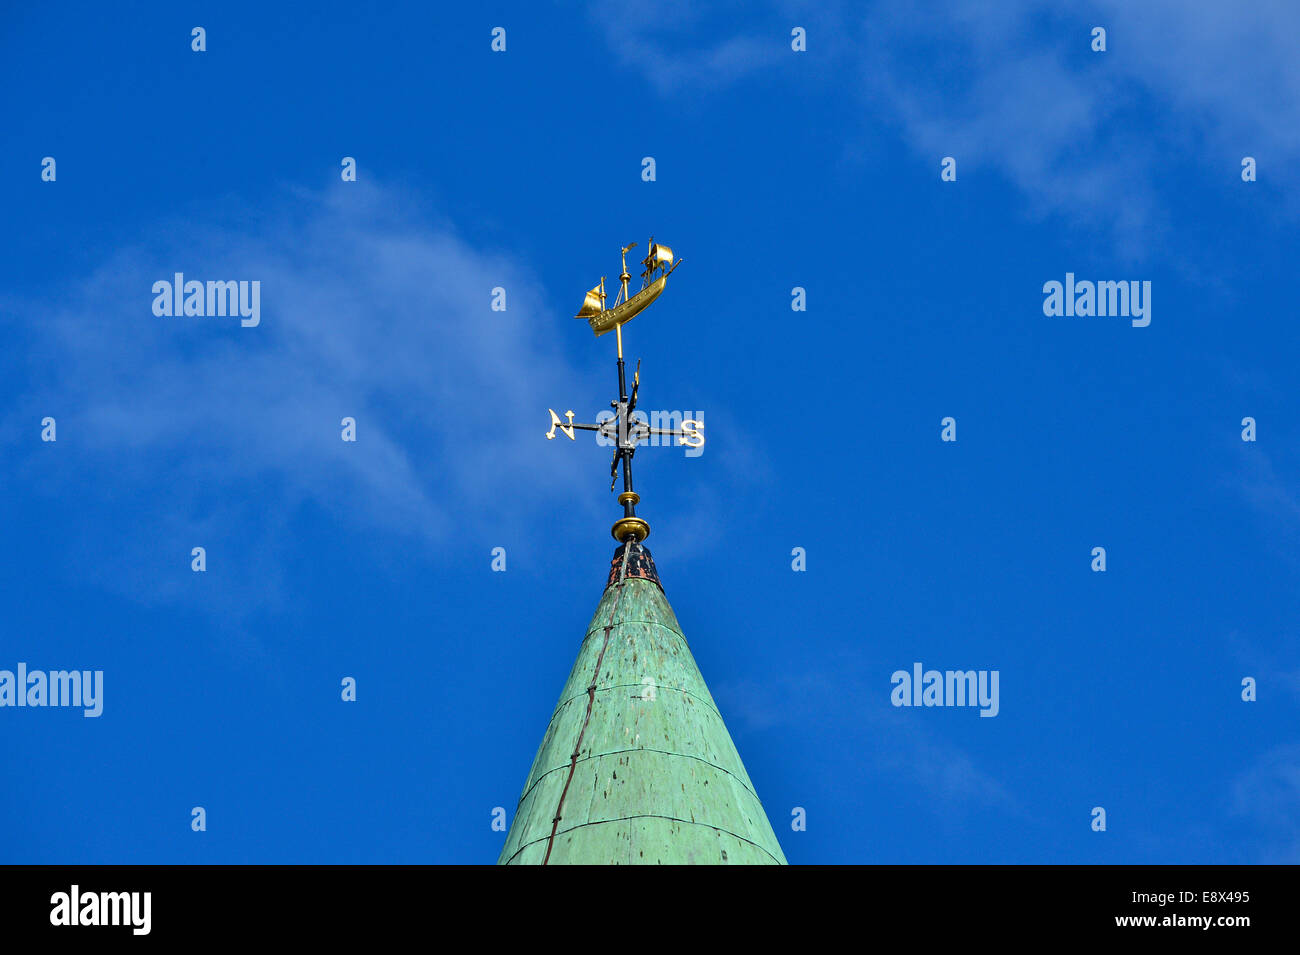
{"x":659,"y":264}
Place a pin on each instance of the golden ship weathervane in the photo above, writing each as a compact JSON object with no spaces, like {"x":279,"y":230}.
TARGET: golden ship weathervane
{"x":625,"y":430}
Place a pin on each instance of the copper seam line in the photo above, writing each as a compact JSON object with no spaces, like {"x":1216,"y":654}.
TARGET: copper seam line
{"x":643,"y":749}
{"x":619,"y":686}
{"x":591,"y":702}
{"x":653,"y":815}
{"x":658,"y":686}
{"x":615,"y":686}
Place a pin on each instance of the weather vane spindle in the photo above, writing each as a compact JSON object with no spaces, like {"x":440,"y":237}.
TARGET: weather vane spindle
{"x":623,"y":429}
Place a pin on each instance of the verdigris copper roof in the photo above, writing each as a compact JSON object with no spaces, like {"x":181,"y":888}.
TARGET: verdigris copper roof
{"x":636,"y":766}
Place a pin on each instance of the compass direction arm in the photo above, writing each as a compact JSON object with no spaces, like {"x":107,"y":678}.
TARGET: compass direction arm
{"x":690,"y":433}
{"x":573,"y":426}
{"x":557,"y":423}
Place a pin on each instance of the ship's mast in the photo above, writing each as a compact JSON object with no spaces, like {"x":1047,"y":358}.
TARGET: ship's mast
{"x":629,"y":497}
{"x":624,"y":277}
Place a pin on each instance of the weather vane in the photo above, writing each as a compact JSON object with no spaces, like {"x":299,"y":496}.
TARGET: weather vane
{"x":623,"y":429}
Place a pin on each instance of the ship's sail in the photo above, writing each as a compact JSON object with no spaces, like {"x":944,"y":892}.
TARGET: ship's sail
{"x":660,"y":257}
{"x":592,"y":304}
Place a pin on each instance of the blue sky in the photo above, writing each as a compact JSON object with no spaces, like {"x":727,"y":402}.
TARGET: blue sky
{"x":775,"y":169}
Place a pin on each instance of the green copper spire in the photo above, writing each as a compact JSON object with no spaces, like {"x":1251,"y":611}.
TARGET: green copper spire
{"x":636,"y":765}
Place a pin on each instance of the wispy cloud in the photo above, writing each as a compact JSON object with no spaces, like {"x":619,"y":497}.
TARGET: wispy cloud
{"x":1273,"y":668}
{"x":892,"y":740}
{"x":369,"y":310}
{"x":1268,"y":490}
{"x":1231,"y":67}
{"x":1013,"y":88}
{"x":1269,"y":794}
{"x":674,"y":48}
{"x":1260,"y":478}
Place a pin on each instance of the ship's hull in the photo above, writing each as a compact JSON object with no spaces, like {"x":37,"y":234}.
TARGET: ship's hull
{"x":611,"y":318}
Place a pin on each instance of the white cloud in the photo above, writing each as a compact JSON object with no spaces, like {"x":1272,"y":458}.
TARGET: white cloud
{"x":893,"y":741}
{"x":1269,"y":794}
{"x":368,"y":310}
{"x":670,"y":45}
{"x":1014,"y":88}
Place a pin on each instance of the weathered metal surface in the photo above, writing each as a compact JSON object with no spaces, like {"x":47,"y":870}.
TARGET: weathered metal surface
{"x":639,"y":564}
{"x":656,"y":778}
